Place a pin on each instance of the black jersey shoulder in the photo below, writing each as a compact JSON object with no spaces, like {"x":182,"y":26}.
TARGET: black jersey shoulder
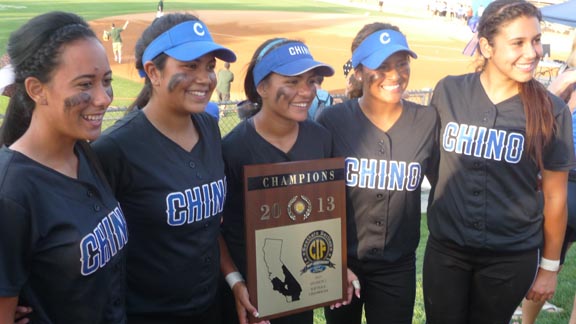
{"x":131,"y":122}
{"x":338,"y":113}
{"x":458,"y":84}
{"x":243,"y":140}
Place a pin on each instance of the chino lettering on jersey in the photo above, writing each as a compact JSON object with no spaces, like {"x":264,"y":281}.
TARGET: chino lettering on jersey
{"x":107,"y":239}
{"x":492,"y":144}
{"x":195,"y":204}
{"x":383,"y":174}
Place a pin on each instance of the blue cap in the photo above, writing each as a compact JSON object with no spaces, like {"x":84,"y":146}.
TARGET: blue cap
{"x":290,"y":59}
{"x":379,"y":46}
{"x":187,"y":41}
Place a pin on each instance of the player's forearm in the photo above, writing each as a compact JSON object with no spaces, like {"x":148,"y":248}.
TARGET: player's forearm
{"x":226,"y":263}
{"x":554,"y":187}
{"x":554,"y":229}
{"x":7,"y":309}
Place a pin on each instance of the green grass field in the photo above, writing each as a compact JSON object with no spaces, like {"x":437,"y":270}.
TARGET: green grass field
{"x":15,"y":13}
{"x":563,"y":297}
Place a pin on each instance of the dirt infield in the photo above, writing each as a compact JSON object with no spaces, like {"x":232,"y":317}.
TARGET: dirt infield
{"x":437,"y":42}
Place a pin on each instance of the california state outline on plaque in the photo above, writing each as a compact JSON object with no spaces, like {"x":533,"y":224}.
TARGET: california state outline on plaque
{"x":282,"y":279}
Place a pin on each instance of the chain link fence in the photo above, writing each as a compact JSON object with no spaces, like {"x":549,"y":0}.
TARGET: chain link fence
{"x":229,"y":115}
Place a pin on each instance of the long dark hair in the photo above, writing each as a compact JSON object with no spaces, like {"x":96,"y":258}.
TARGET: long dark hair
{"x":540,"y":123}
{"x":35,"y":51}
{"x":158,"y":26}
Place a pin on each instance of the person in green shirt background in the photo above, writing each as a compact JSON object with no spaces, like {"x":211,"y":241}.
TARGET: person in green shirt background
{"x":225,"y":78}
{"x":114,"y":34}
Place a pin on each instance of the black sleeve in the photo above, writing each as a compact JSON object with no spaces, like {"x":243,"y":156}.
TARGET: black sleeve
{"x":15,"y":238}
{"x":114,"y":164}
{"x":559,"y":154}
{"x":432,"y":171}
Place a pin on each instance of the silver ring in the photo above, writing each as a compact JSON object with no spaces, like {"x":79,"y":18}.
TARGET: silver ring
{"x":356,"y":284}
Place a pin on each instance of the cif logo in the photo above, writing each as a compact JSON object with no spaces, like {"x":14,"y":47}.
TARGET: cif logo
{"x":316,"y":251}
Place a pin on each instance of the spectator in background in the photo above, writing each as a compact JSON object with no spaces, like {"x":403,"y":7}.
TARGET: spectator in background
{"x":469,"y":13}
{"x":213,"y":110}
{"x":353,"y":87}
{"x":322,"y":100}
{"x":117,"y":41}
{"x":225,"y":79}
{"x":160,"y":9}
{"x":6,"y":76}
{"x":480,"y":10}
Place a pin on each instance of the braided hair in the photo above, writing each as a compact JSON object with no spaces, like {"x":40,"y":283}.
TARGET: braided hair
{"x":35,"y":51}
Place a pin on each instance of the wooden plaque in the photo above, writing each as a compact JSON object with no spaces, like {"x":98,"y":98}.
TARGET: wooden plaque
{"x":295,"y":235}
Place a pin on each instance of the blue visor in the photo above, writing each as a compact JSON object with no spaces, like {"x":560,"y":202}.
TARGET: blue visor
{"x":379,"y":46}
{"x":290,"y":59}
{"x":187,"y":41}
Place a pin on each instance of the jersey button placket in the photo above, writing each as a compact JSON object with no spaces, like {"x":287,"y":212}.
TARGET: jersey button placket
{"x":384,"y":147}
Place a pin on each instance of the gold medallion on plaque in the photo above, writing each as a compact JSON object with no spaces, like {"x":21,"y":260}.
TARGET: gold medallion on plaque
{"x":299,"y":206}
